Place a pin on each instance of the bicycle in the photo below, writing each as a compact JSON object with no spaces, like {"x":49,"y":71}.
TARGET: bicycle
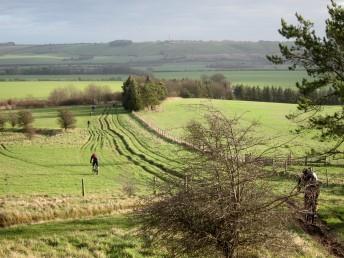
{"x":95,"y":169}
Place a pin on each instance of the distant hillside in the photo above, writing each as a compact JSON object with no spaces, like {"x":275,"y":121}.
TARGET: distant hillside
{"x":146,"y":56}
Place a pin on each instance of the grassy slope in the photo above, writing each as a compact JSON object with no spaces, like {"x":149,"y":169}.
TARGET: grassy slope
{"x":41,"y":89}
{"x":176,"y":113}
{"x":285,"y":79}
{"x":53,"y":167}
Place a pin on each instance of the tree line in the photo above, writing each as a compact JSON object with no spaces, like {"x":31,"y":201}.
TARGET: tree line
{"x":23,"y":119}
{"x":67,"y":96}
{"x":70,"y":69}
{"x":218,"y":87}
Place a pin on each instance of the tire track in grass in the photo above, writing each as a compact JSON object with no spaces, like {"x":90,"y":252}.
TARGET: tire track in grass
{"x":144,"y":146}
{"x":143,"y":153}
{"x":122,"y":151}
{"x":102,"y":134}
{"x":139,"y":155}
{"x":84,"y":146}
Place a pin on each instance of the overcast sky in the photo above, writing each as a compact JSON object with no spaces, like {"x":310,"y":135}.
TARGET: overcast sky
{"x":67,"y":21}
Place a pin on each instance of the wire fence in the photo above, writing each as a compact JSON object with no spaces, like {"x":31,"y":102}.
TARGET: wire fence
{"x":284,"y":161}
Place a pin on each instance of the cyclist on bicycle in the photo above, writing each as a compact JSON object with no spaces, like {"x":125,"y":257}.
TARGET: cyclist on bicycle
{"x":94,"y":161}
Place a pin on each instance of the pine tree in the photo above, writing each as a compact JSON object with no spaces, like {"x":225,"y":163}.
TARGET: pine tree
{"x":323,"y":59}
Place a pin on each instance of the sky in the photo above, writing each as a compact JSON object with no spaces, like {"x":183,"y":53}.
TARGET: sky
{"x":72,"y":21}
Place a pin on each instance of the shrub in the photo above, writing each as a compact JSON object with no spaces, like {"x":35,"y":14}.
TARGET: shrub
{"x":25,"y":118}
{"x":29,"y":131}
{"x":129,"y":188}
{"x":13,"y":119}
{"x":225,"y":206}
{"x":66,"y":119}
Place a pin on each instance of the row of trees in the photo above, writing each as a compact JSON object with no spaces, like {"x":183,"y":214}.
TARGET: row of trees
{"x":24,"y":120}
{"x":69,"y":69}
{"x":92,"y":94}
{"x":141,"y":93}
{"x":282,"y":95}
{"x":217,"y":87}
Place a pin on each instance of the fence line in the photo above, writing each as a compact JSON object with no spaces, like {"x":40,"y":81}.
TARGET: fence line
{"x":162,"y":133}
{"x":281,"y":161}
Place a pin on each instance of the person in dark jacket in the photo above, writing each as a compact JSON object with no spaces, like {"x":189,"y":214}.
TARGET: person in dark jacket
{"x":94,"y":160}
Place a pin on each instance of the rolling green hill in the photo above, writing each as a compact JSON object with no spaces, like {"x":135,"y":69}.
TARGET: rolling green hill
{"x":150,"y":56}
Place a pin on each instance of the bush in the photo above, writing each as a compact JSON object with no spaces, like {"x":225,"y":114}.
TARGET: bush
{"x":129,"y":188}
{"x":25,"y":118}
{"x":66,"y":119}
{"x":225,"y":206}
{"x":13,"y":119}
{"x":29,"y":131}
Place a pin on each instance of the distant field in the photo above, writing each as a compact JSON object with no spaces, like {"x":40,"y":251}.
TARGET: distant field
{"x":42,"y":89}
{"x":286,"y":79}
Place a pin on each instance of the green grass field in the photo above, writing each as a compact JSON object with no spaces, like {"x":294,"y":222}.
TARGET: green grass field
{"x":285,"y":79}
{"x":177,"y":113}
{"x":40,"y":179}
{"x":42,"y":89}
{"x":56,"y":164}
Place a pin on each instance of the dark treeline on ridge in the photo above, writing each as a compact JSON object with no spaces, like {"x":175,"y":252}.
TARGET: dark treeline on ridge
{"x":218,"y":87}
{"x":69,"y":69}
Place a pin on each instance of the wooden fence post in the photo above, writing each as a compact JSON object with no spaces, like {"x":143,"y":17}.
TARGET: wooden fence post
{"x":306,"y":160}
{"x":82,"y":187}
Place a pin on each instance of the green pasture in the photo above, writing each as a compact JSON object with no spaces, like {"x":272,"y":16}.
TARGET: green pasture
{"x":56,"y":164}
{"x":175,"y":114}
{"x":285,"y":78}
{"x":260,"y":78}
{"x":42,"y":89}
{"x":52,"y":165}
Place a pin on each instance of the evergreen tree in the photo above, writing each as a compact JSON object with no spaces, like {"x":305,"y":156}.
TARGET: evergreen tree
{"x":131,"y":95}
{"x":266,"y":94}
{"x":323,"y":59}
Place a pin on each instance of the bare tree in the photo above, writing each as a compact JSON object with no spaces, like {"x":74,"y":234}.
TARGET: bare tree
{"x":66,"y":119}
{"x":25,"y":118}
{"x":225,"y":205}
{"x":13,"y":119}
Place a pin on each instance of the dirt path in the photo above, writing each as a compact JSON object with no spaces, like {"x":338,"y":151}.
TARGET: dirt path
{"x":319,"y":231}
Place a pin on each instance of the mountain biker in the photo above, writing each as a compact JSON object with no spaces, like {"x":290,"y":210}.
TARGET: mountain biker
{"x":308,"y":180}
{"x":94,"y":160}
